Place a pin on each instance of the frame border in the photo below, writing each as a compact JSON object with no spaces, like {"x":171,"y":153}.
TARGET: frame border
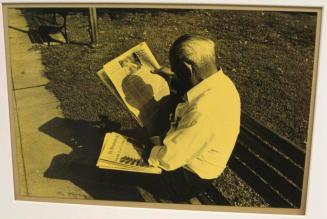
{"x":235,"y":210}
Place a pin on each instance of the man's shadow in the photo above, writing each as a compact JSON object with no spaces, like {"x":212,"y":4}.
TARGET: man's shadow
{"x":79,"y":166}
{"x":154,"y":114}
{"x":86,"y":138}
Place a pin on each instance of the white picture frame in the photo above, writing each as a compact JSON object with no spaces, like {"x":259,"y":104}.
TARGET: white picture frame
{"x":316,"y":193}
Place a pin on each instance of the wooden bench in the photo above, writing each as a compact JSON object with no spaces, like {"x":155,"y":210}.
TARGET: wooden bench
{"x":46,"y":21}
{"x":270,"y":164}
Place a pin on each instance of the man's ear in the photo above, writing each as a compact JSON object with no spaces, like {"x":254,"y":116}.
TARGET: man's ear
{"x":194,"y":78}
{"x":188,"y":68}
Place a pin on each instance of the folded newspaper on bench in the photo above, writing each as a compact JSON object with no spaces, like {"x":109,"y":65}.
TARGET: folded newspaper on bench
{"x":130,"y":79}
{"x":121,"y":153}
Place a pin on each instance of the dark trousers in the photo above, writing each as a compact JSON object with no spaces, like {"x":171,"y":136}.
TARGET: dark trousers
{"x":183,"y":184}
{"x":178,"y":186}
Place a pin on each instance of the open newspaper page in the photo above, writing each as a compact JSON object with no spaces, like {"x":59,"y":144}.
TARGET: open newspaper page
{"x":121,"y":153}
{"x":143,"y":92}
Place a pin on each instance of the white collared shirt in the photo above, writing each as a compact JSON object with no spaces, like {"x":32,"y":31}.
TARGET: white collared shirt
{"x":204,"y":131}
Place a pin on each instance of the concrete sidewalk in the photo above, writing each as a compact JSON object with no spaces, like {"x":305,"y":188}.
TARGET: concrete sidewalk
{"x":35,"y":106}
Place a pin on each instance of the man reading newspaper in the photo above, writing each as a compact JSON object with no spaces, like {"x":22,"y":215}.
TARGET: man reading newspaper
{"x":206,"y":122}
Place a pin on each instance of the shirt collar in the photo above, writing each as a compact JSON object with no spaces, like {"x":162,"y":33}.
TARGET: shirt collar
{"x":203,"y":86}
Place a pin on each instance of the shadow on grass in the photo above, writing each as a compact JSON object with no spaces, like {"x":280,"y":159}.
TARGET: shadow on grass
{"x":49,"y":25}
{"x":79,"y":166}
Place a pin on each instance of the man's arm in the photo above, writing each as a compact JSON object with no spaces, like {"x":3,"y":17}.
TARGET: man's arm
{"x":188,"y":141}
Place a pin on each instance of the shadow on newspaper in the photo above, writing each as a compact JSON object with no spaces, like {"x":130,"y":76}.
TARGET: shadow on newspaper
{"x":79,"y":166}
{"x":154,"y":114}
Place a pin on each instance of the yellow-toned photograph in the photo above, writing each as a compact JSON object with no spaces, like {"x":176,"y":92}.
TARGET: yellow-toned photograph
{"x":189,"y":107}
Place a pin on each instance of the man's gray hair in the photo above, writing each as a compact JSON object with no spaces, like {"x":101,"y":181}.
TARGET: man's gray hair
{"x":193,"y":49}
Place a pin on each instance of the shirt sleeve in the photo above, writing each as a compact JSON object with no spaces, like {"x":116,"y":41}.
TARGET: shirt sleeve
{"x":186,"y":142}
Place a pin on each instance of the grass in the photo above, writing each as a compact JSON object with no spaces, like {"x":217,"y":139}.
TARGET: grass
{"x":269,"y":56}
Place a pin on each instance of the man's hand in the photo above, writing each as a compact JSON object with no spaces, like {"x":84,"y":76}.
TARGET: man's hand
{"x":151,"y":143}
{"x":170,"y":78}
{"x":155,"y":140}
{"x":164,"y":72}
{"x":153,"y":158}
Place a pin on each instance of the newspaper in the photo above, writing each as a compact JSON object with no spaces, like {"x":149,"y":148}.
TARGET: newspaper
{"x":129,"y":77}
{"x":121,"y":153}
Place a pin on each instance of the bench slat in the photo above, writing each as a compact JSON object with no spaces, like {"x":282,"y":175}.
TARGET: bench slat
{"x":275,"y":159}
{"x":216,"y":196}
{"x":205,"y":199}
{"x":259,"y":185}
{"x":276,"y":181}
{"x":290,"y":149}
